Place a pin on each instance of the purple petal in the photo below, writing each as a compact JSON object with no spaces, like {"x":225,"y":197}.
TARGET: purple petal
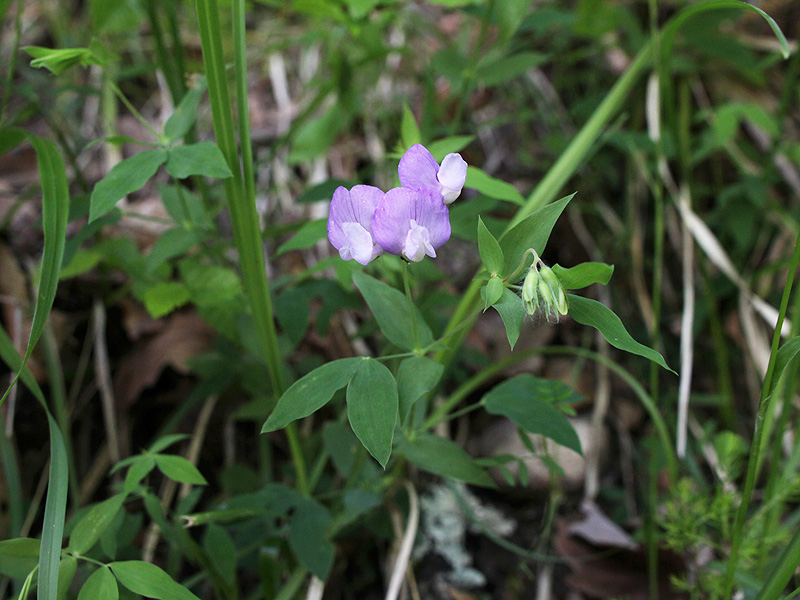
{"x":418,"y":168}
{"x":350,"y":222}
{"x":413,"y":223}
{"x":433,"y":215}
{"x":392,"y":219}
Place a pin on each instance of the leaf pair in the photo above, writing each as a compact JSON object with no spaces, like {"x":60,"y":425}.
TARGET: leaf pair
{"x":372,"y":401}
{"x":133,"y":173}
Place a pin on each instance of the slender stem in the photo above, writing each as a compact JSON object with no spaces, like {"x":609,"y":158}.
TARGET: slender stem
{"x":411,"y":311}
{"x":131,"y":108}
{"x":764,"y":402}
{"x":241,"y":199}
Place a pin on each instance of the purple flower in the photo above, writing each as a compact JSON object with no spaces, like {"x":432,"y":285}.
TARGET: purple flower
{"x":350,"y":222}
{"x":413,"y":223}
{"x":418,"y":169}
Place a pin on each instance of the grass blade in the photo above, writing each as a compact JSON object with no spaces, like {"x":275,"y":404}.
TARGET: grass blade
{"x":55,"y":211}
{"x":56,"y":503}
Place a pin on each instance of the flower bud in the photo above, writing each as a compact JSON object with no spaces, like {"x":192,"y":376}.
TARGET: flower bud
{"x":530,"y":293}
{"x":559,"y":296}
{"x":553,"y":297}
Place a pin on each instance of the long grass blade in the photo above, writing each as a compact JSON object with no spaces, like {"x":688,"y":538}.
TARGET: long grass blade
{"x":55,"y":212}
{"x":56,"y":503}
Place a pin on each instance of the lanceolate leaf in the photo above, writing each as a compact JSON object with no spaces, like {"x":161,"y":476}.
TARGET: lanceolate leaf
{"x":441,"y":456}
{"x":531,"y":232}
{"x":311,"y":392}
{"x":491,"y":187}
{"x":308,"y":537}
{"x":203,"y":158}
{"x":126,"y":177}
{"x":528,"y":401}
{"x":787,"y":354}
{"x":149,"y":580}
{"x":416,"y":376}
{"x":101,"y":584}
{"x":490,"y":251}
{"x":390,"y":309}
{"x":513,"y":314}
{"x":55,"y":213}
{"x":55,"y":210}
{"x":372,"y":408}
{"x":592,"y":313}
{"x":94,"y":523}
{"x":583,"y":275}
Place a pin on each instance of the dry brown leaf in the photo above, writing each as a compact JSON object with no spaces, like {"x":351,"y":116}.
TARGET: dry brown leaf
{"x":619,"y":573}
{"x":185,"y":336}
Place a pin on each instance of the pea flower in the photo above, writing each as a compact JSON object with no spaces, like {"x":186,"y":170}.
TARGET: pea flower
{"x":411,"y":223}
{"x":418,"y":169}
{"x":350,"y":222}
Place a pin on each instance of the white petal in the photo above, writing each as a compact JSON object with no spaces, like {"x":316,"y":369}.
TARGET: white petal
{"x":452,"y":175}
{"x":359,"y":243}
{"x":418,"y":243}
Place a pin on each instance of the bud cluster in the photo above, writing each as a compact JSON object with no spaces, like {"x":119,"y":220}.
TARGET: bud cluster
{"x":541,"y":290}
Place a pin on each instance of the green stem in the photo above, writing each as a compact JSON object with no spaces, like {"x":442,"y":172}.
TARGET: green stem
{"x":411,"y":311}
{"x":241,"y":197}
{"x":131,"y":108}
{"x":764,"y":402}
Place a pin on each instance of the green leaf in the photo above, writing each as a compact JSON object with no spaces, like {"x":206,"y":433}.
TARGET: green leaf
{"x":185,"y":114}
{"x":92,"y":525}
{"x":209,"y":284}
{"x":494,"y":188}
{"x":179,"y":469}
{"x":592,"y":313}
{"x":58,"y":60}
{"x":531,"y":232}
{"x":56,"y":500}
{"x":528,"y":402}
{"x":55,"y":214}
{"x":409,"y":130}
{"x":222,"y":552}
{"x":125,"y":178}
{"x":18,"y":557}
{"x":171,"y":243}
{"x":311,"y":392}
{"x":149,"y":580}
{"x":442,"y":457}
{"x":583,"y":275}
{"x":82,"y":261}
{"x":183,"y":206}
{"x":441,"y":148}
{"x":101,"y":585}
{"x":308,"y":537}
{"x":390,"y":309}
{"x":138,"y":470}
{"x":490,"y":251}
{"x":502,"y":70}
{"x":787,"y":354}
{"x":167,"y":441}
{"x":512,"y":312}
{"x":203,"y":158}
{"x":492,"y":292}
{"x":416,"y":376}
{"x":316,"y":135}
{"x":163,"y":298}
{"x":323,"y":191}
{"x":308,"y":235}
{"x":372,"y":405}
{"x":66,"y":573}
